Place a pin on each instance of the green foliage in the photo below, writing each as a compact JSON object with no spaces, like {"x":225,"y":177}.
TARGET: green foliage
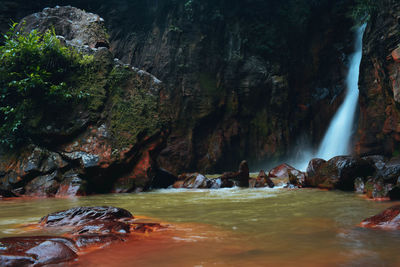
{"x":363,"y":9}
{"x":34,"y":79}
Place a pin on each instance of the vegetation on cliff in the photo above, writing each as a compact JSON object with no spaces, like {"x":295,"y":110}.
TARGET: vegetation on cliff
{"x":362,"y":10}
{"x":36,"y":82}
{"x":134,"y":112}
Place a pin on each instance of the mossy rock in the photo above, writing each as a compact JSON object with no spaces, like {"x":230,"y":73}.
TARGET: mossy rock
{"x":134,"y":110}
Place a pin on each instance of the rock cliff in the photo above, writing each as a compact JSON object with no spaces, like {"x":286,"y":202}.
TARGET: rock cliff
{"x":379,"y":126}
{"x":108,"y":143}
{"x":246,"y":79}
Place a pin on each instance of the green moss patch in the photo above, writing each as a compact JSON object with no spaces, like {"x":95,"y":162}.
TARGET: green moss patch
{"x":134,"y":110}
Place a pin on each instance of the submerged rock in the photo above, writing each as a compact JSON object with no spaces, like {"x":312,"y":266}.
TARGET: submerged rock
{"x":388,"y":219}
{"x":36,"y":250}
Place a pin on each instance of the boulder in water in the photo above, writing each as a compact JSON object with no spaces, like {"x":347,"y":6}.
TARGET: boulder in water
{"x":313,"y":166}
{"x":96,"y":225}
{"x":195,"y":180}
{"x":82,"y":215}
{"x":338,"y":173}
{"x":388,"y":219}
{"x":293,"y":175}
{"x":36,"y":250}
{"x":280,"y":171}
{"x":243,"y":174}
{"x":86,"y":226}
{"x":262,"y":178}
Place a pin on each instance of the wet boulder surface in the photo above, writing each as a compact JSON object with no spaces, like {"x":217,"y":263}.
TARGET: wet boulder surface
{"x":196,"y":180}
{"x":288,"y":175}
{"x":83,"y":228}
{"x":337,"y":173}
{"x":389,"y":219}
{"x":82,"y":215}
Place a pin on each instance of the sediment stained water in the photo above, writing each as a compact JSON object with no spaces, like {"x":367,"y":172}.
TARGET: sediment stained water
{"x":232,"y":227}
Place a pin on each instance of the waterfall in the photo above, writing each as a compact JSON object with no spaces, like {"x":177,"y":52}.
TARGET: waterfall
{"x":337,"y":139}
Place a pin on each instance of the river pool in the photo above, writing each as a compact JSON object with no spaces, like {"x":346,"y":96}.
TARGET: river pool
{"x":231,"y":227}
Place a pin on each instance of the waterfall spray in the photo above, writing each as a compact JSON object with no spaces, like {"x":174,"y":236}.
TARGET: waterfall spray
{"x":337,"y":139}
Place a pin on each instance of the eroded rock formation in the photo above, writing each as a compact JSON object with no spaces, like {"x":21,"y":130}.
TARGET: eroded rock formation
{"x":111,"y":142}
{"x":379,"y":128}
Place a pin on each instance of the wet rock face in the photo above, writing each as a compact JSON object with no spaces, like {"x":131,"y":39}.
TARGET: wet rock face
{"x":388,"y":220}
{"x":293,"y":176}
{"x":263,"y":179}
{"x":234,"y":104}
{"x":313,"y":166}
{"x":82,"y":215}
{"x":36,"y":251}
{"x":379,"y":131}
{"x":337,"y":173}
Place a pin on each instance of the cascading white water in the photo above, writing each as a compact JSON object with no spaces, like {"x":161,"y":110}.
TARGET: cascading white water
{"x":337,"y":139}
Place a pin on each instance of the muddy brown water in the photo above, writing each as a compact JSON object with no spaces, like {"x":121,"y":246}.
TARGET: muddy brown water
{"x":231,"y":227}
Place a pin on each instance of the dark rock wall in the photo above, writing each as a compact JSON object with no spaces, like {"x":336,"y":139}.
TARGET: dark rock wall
{"x":236,"y":90}
{"x":233,"y":100}
{"x":379,"y":126}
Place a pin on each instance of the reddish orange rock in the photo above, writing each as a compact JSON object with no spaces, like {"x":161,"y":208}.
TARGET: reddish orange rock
{"x":388,"y":219}
{"x":396,"y":54}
